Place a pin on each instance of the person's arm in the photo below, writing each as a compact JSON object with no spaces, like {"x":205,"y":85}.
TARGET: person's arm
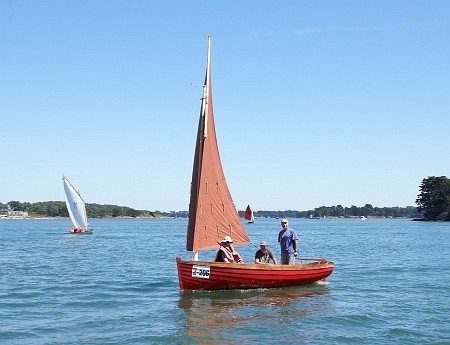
{"x":236,"y":256}
{"x":257,"y":261}
{"x":274,"y":259}
{"x":295,"y":247}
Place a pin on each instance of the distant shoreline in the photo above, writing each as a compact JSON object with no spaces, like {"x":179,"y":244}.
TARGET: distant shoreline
{"x":165,"y":217}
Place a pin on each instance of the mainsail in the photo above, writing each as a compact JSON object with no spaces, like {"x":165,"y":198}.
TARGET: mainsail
{"x":75,"y":206}
{"x":212,"y":213}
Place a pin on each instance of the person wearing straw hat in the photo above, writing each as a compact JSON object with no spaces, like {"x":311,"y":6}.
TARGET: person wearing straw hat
{"x":288,"y":242}
{"x":226,"y":252}
{"x":263,"y":254}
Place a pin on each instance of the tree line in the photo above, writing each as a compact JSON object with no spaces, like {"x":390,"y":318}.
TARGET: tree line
{"x":59,"y":209}
{"x":433,"y":204}
{"x":342,"y":212}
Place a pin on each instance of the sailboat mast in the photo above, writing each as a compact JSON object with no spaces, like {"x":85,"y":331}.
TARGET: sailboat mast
{"x":198,"y":159}
{"x":206,"y":88}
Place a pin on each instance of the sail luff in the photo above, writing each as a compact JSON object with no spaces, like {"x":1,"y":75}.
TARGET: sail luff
{"x":212,"y":213}
{"x":207,"y":88}
{"x":198,"y":156}
{"x":193,"y":204}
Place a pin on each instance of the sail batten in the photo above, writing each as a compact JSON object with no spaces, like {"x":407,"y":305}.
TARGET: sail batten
{"x":207,"y":171}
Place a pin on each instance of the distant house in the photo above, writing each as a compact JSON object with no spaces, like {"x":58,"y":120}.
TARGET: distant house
{"x":4,"y":213}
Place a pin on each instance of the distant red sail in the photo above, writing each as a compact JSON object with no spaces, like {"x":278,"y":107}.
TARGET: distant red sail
{"x":248,"y":213}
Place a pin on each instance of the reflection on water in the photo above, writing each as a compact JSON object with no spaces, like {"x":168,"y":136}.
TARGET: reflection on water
{"x":215,"y":315}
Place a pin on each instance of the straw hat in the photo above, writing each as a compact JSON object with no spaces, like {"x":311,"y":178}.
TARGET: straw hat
{"x":227,"y":239}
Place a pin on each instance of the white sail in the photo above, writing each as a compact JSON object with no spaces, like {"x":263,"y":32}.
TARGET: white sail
{"x":75,"y":206}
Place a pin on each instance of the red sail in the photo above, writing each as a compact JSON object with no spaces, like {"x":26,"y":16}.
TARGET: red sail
{"x":212,"y":213}
{"x":248,"y":213}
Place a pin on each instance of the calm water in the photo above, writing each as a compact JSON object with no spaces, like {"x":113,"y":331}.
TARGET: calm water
{"x":391,"y":285}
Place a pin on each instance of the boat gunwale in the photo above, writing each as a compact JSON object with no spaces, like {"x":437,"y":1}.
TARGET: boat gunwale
{"x":266,"y":267}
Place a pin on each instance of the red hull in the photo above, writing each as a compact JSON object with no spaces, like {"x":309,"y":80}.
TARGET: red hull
{"x":81,"y":231}
{"x":200,"y":275}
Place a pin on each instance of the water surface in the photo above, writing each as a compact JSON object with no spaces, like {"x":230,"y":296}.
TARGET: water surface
{"x":391,"y":285}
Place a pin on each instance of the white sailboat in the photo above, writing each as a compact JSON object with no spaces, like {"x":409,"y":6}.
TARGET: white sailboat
{"x":77,"y":209}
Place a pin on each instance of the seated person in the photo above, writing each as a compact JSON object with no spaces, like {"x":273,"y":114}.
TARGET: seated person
{"x":263,"y":255}
{"x":226,"y":252}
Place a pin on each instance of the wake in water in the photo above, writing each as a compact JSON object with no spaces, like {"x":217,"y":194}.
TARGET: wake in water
{"x":322,"y":282}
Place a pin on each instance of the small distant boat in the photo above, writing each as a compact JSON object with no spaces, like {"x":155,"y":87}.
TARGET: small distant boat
{"x":363,"y":218}
{"x":249,"y":214}
{"x":213,"y":215}
{"x":77,"y":209}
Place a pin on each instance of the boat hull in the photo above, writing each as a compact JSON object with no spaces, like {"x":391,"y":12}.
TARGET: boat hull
{"x":202,"y":275}
{"x":80,"y":231}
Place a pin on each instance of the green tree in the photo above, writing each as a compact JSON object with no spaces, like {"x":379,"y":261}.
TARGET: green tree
{"x":434,"y":198}
{"x":340,"y":212}
{"x":15,"y":205}
{"x":367,"y":210}
{"x":354,"y":211}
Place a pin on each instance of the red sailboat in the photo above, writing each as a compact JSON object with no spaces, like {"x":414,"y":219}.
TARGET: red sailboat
{"x":212,"y":216}
{"x":249,"y":214}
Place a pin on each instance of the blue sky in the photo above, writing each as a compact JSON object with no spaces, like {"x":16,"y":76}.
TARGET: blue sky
{"x":317,"y":103}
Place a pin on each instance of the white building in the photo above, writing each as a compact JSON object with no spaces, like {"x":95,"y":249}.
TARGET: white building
{"x":4,"y":213}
